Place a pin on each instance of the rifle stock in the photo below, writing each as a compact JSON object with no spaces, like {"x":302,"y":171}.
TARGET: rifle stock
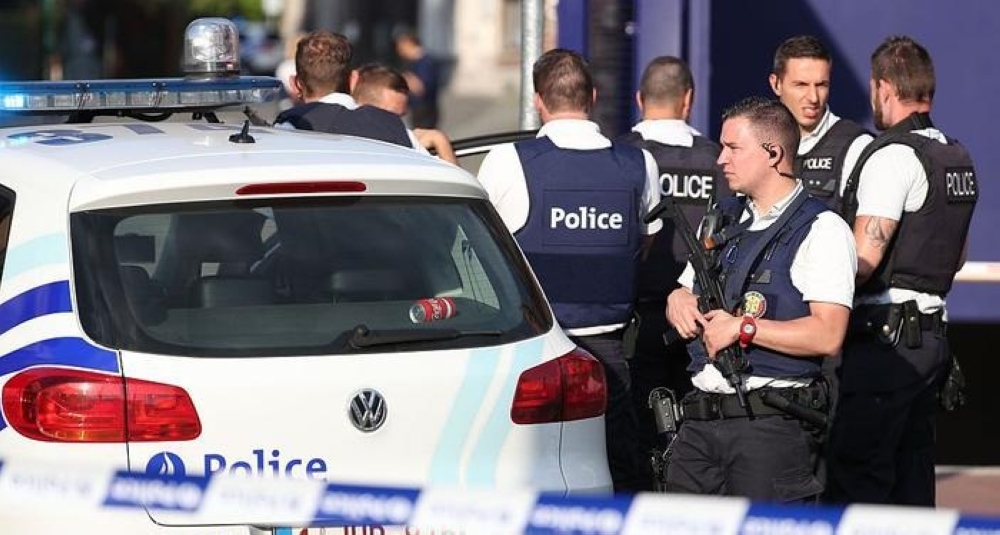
{"x":729,"y":361}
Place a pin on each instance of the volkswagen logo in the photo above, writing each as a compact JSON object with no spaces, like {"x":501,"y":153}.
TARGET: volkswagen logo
{"x":367,"y":410}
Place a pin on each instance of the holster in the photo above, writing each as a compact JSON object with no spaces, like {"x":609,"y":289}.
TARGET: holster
{"x":666,"y":411}
{"x":890,"y":324}
{"x":630,"y":336}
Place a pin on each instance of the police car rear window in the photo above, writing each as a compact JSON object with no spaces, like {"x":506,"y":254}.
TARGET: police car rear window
{"x":303,"y":276}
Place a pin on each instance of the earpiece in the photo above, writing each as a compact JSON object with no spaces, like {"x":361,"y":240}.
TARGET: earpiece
{"x":771,"y":151}
{"x":775,"y":153}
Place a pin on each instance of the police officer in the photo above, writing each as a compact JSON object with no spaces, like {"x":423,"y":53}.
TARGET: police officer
{"x":322,"y":70}
{"x":688,"y":173}
{"x":384,"y":87}
{"x":829,"y":146}
{"x":789,"y":267}
{"x":574,"y":201}
{"x":910,"y":200}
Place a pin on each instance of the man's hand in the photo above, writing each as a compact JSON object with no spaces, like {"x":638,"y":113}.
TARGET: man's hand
{"x":433,"y":139}
{"x":682,"y":312}
{"x":721,"y":331}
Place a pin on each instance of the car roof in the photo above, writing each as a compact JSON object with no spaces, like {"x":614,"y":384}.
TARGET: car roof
{"x":105,"y":164}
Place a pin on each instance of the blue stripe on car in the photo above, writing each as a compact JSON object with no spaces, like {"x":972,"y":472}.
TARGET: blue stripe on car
{"x":485,"y":457}
{"x":46,"y":299}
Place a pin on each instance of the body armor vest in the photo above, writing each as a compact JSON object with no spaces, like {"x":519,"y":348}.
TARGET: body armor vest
{"x":820,"y":169}
{"x":926,"y":248}
{"x":691,"y":176}
{"x":756,"y":272}
{"x":582,"y":233}
{"x":364,"y":121}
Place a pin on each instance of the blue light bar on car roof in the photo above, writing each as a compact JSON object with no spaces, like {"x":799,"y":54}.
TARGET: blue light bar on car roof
{"x":146,"y":95}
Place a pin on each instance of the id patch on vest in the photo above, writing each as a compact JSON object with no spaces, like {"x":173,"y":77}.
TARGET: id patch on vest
{"x":754,"y":304}
{"x":821,"y":186}
{"x":961,"y":184}
{"x":602,"y":218}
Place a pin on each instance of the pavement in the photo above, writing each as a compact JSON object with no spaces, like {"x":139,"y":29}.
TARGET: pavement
{"x":465,"y":115}
{"x":971,"y":490}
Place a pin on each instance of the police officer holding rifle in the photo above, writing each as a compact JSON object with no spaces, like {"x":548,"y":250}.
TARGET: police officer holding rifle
{"x":784,"y":265}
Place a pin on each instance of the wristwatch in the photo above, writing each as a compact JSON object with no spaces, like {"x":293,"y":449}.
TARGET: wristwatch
{"x":748,"y":328}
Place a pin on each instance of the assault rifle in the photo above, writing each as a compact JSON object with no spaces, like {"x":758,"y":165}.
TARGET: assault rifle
{"x":702,"y":253}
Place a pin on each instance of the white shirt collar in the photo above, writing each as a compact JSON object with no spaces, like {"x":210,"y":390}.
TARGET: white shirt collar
{"x":667,"y":131}
{"x":778,"y":208}
{"x":578,"y":134}
{"x":343,"y":99}
{"x":809,"y":141}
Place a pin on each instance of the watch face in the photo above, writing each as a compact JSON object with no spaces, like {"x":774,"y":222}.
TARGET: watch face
{"x":749,"y":328}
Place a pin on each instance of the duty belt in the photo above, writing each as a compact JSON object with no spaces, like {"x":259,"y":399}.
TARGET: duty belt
{"x":707,"y":406}
{"x":889,"y":323}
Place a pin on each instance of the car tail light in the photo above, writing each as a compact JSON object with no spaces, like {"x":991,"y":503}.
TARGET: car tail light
{"x":571,"y":387}
{"x":61,"y":405}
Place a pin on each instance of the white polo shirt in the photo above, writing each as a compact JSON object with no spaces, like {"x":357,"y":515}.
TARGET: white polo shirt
{"x":809,"y":141}
{"x":503,"y":178}
{"x":673,"y":132}
{"x":823,"y":269}
{"x":894,"y":181}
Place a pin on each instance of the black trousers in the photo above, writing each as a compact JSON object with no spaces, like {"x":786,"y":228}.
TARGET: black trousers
{"x":881,"y":447}
{"x":767,"y":458}
{"x":630,"y":471}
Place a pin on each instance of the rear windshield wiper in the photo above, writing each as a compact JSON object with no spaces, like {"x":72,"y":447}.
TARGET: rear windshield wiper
{"x":362,"y":336}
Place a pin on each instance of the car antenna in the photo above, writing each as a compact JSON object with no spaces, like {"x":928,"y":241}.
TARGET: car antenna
{"x":244,"y":135}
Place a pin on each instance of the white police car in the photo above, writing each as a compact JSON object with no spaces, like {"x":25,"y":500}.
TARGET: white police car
{"x":203,"y":298}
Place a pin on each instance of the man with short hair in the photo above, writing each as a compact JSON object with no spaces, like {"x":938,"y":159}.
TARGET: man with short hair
{"x":688,"y":174}
{"x":829,"y":146}
{"x":322,"y":71}
{"x":575,"y":202}
{"x":910,"y":200}
{"x":788,"y":270}
{"x":384,"y":87}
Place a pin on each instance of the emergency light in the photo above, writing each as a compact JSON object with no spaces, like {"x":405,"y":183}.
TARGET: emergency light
{"x":211,"y":65}
{"x":211,"y":48}
{"x":152,"y":95}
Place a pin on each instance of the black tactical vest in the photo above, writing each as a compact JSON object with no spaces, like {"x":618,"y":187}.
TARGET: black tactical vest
{"x":927,"y":247}
{"x":364,"y":121}
{"x":820,"y":169}
{"x":691,"y":176}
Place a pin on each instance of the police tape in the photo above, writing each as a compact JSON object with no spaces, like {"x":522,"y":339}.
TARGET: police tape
{"x":314,"y":503}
